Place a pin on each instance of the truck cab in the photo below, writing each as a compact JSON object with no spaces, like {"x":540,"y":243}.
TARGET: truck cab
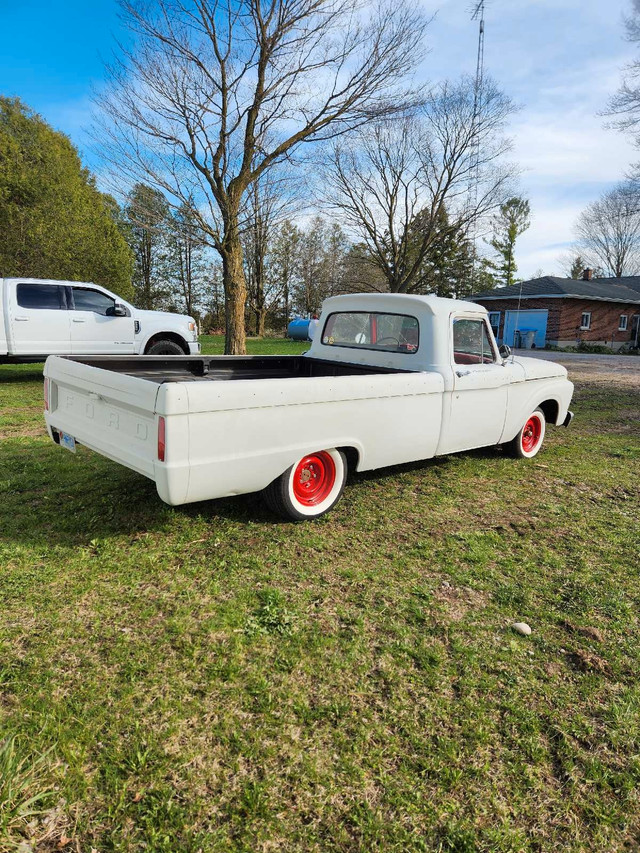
{"x":485,"y":390}
{"x":42,"y":317}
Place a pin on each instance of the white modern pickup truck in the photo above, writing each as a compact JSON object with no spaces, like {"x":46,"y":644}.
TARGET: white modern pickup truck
{"x":43,"y":317}
{"x":389,"y":378}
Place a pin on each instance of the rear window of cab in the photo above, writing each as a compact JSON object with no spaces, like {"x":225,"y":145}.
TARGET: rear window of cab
{"x":372,"y":330}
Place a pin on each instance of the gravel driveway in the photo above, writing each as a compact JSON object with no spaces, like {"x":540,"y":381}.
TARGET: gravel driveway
{"x":616,"y":369}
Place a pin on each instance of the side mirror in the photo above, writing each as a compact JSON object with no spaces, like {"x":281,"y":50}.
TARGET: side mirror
{"x":505,"y":351}
{"x":117,"y":311}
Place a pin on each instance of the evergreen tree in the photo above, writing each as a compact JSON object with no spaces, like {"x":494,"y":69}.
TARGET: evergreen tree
{"x":447,"y":267}
{"x":510,"y":222}
{"x":54,"y":223}
{"x":283,"y":269}
{"x":321,"y":262}
{"x":187,"y":264}
{"x":577,"y":267}
{"x":148,"y":218}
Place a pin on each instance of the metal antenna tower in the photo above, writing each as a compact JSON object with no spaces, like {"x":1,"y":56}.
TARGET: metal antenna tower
{"x":477,"y":14}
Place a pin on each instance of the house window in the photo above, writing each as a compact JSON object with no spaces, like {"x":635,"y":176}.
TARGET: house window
{"x":623,"y":323}
{"x":585,"y":322}
{"x":494,"y":322}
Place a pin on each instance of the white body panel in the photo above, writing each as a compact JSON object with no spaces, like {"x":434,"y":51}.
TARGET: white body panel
{"x":232,"y":437}
{"x":28,"y":332}
{"x":29,"y":328}
{"x":95,"y":334}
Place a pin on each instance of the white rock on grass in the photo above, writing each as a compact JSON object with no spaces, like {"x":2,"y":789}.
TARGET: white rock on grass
{"x":521,"y":628}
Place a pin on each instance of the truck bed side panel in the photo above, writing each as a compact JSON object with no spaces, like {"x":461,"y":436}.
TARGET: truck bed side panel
{"x":242,"y":439}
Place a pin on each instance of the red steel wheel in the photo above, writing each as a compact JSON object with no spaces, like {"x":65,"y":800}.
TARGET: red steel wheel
{"x":314,"y":478}
{"x":310,"y":487}
{"x":529,"y":439}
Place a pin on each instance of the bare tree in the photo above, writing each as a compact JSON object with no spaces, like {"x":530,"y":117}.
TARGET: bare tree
{"x":608,"y":231}
{"x":267,"y":203}
{"x":393,"y":173}
{"x":215,"y":92}
{"x":625,"y":104}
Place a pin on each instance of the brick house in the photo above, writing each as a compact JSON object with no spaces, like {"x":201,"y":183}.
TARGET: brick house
{"x":565,"y":312}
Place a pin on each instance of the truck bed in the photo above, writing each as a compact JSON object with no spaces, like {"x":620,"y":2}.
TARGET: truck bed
{"x":185,"y":368}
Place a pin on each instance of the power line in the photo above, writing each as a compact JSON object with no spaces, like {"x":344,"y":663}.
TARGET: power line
{"x":477,"y":13}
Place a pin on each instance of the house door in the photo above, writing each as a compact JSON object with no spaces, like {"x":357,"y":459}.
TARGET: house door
{"x":521,"y":321}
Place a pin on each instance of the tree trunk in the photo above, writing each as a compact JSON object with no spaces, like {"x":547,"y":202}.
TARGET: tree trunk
{"x":235,"y":290}
{"x":262,"y":315}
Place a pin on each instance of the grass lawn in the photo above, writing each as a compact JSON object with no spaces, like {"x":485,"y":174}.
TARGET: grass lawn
{"x":209,"y":678}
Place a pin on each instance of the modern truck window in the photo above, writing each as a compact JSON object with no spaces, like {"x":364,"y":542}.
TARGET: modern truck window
{"x":46,"y":296}
{"x":372,"y":331}
{"x":471,"y":343}
{"x":86,"y":299}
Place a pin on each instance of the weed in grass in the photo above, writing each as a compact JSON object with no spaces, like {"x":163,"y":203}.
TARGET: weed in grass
{"x":271,"y":616}
{"x":24,"y":792}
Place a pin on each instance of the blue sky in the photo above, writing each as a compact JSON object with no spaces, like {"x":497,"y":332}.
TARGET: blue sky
{"x":559,"y":59}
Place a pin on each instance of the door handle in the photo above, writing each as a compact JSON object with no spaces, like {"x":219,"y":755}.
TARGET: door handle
{"x":21,"y":319}
{"x":78,"y":321}
{"x":460,"y":373}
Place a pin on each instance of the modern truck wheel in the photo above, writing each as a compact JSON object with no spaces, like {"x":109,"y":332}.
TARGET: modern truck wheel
{"x":165,"y":346}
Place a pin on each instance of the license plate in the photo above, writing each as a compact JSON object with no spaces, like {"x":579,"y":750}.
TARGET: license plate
{"x":67,"y":441}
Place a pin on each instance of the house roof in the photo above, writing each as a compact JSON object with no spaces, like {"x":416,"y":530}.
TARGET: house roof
{"x":626,"y":289}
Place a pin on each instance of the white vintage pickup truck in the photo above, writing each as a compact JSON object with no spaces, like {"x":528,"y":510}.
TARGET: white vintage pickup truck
{"x":389,"y":378}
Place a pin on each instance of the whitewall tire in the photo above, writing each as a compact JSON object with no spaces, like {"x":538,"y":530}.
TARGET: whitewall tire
{"x":310,"y":487}
{"x":529,"y":440}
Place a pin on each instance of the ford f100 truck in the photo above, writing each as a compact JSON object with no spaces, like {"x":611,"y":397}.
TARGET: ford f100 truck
{"x":44,"y":317}
{"x":389,"y":378}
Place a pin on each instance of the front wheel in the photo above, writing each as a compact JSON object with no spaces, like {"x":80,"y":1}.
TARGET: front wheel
{"x":310,"y":487}
{"x":529,"y":440}
{"x":165,"y":346}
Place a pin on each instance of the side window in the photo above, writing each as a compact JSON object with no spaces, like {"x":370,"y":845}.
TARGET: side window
{"x":471,"y":344}
{"x":85,"y":299}
{"x":494,"y":321}
{"x":50,"y":296}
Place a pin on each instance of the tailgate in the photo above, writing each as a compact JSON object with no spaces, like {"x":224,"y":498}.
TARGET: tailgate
{"x":109,"y":412}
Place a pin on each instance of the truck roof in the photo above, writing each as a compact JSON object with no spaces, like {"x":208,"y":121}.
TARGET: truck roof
{"x":399,"y":303}
{"x":23,"y":280}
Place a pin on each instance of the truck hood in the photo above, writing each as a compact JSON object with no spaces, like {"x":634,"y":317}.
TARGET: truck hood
{"x":539,"y":368}
{"x":157,"y":315}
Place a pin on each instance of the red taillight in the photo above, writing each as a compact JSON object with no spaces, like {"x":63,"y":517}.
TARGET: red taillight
{"x":46,"y":395}
{"x":161,"y":440}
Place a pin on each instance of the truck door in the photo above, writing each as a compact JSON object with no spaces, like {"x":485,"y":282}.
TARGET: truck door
{"x":94,"y":328}
{"x":478,"y":399}
{"x":38,"y":319}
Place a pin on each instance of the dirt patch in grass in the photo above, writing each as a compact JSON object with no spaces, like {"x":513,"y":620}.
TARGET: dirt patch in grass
{"x":459,"y":601}
{"x":602,"y":375}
